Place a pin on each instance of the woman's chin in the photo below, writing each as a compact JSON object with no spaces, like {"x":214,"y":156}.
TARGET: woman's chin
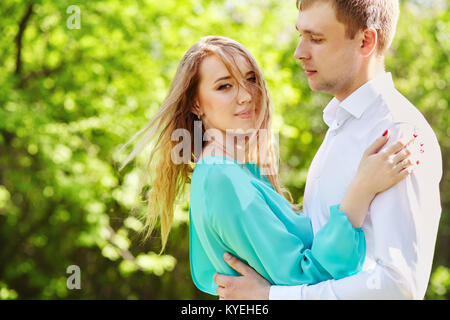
{"x":244,"y":128}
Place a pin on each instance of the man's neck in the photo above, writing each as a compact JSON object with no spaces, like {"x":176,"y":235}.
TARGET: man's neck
{"x":364,"y":76}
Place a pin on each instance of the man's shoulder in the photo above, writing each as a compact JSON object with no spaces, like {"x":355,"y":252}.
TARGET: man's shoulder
{"x":404,"y":120}
{"x":400,"y":110}
{"x":395,"y":112}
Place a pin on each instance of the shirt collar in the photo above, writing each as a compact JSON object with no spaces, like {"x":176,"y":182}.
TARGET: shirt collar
{"x":357,"y":102}
{"x":329,"y":113}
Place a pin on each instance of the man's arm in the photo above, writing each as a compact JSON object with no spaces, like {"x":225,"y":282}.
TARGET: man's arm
{"x":403,"y":228}
{"x":403,"y":261}
{"x":404,"y":222}
{"x":378,"y":283}
{"x":373,"y":284}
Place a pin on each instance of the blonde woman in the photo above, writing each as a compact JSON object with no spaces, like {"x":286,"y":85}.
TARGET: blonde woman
{"x":237,"y":205}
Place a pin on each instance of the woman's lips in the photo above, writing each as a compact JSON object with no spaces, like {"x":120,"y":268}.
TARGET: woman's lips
{"x":310,"y":73}
{"x":244,"y":115}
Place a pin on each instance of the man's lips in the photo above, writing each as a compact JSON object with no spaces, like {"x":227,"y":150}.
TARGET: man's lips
{"x":309,"y":73}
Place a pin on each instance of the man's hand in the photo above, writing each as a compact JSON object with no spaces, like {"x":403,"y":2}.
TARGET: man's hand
{"x":249,"y":286}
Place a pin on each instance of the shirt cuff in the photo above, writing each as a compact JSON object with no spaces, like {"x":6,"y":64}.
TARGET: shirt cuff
{"x":285,"y":292}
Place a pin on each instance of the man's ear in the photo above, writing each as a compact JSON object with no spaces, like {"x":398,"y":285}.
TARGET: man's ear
{"x":369,"y":41}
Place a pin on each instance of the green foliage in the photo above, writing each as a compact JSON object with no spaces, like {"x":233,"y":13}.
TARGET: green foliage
{"x":75,"y":95}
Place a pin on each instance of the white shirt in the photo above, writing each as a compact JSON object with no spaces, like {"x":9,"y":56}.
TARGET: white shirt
{"x":402,"y":223}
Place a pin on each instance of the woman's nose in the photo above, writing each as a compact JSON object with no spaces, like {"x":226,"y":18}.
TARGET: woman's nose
{"x":244,"y":95}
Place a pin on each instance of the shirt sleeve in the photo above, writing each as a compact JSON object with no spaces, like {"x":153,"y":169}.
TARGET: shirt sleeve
{"x":249,"y":228}
{"x":404,"y":222}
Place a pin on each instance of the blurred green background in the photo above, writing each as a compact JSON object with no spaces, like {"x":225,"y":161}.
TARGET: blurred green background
{"x":70,"y":97}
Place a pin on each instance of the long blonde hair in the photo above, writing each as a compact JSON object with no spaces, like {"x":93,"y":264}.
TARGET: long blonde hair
{"x":169,"y":179}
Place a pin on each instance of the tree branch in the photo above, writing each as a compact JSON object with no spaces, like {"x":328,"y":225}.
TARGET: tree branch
{"x":44,"y":72}
{"x":19,"y":37}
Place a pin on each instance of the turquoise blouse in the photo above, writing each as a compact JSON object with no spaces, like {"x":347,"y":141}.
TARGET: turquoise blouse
{"x":235,"y":209}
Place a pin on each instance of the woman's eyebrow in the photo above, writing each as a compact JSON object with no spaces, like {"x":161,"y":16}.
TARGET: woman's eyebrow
{"x":229,"y":77}
{"x":222,"y":78}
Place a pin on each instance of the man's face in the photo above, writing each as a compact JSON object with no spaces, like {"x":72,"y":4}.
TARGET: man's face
{"x":330,"y":59}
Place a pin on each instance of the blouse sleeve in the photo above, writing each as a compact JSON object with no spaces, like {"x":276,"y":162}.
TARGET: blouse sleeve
{"x":246,"y":224}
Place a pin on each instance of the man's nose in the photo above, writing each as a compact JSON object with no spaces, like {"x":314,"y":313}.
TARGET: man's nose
{"x":301,"y":51}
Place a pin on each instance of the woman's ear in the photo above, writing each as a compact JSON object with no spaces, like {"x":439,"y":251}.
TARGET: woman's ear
{"x":195,"y":109}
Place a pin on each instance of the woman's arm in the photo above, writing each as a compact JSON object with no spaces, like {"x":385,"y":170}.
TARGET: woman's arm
{"x":243,"y":224}
{"x":377,"y":172}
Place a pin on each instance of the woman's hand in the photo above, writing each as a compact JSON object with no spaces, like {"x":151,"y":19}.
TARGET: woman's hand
{"x":380,"y":170}
{"x":377,"y":172}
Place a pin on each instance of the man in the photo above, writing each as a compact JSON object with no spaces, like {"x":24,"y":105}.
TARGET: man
{"x":341,"y":48}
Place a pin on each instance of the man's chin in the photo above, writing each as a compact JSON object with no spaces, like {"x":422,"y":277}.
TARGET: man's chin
{"x":314,"y":86}
{"x":319,"y":87}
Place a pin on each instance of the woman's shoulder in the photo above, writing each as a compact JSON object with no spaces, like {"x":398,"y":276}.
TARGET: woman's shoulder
{"x":220,"y":170}
{"x":222,"y":183}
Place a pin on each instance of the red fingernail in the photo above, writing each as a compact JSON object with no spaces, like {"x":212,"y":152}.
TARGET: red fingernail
{"x":415,"y":135}
{"x":417,"y":162}
{"x":421,"y":144}
{"x":421,"y":151}
{"x":385,"y":133}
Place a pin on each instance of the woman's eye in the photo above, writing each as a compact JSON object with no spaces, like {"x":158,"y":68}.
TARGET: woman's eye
{"x":252,"y":79}
{"x":224,"y":86}
{"x":316,"y":40}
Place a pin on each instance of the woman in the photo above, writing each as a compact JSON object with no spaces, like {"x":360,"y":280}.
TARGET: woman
{"x":236,"y":200}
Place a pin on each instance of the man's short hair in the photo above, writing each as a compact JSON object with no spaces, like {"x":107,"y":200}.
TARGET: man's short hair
{"x":361,"y":14}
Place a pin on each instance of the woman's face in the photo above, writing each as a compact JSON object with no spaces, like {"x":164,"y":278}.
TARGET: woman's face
{"x":224,"y":103}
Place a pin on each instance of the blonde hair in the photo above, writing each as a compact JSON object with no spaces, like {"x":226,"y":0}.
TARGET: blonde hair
{"x":176,"y":113}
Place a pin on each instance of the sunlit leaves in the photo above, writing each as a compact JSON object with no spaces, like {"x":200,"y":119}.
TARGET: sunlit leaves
{"x":82,"y":93}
